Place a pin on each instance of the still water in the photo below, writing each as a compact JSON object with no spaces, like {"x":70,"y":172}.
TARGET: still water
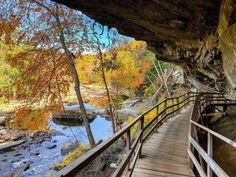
{"x":43,"y":161}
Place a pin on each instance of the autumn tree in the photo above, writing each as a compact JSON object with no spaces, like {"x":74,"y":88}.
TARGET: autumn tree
{"x":56,"y":34}
{"x":99,"y":46}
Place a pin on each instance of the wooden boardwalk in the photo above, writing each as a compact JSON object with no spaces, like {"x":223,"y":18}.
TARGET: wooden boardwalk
{"x":165,"y":153}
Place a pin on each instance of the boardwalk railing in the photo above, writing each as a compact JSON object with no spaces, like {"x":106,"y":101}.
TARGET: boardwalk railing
{"x":145,"y":125}
{"x":203,"y":160}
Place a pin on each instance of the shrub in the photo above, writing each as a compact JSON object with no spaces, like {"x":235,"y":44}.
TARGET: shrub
{"x":69,"y":158}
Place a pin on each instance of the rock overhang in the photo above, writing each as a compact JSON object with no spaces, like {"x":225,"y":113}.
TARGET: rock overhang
{"x":184,"y":32}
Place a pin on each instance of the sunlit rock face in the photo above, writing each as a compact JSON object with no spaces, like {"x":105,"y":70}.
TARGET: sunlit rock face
{"x":228,"y":48}
{"x":189,"y":33}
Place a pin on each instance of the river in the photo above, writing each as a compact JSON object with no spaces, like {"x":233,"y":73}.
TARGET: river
{"x":40,"y":159}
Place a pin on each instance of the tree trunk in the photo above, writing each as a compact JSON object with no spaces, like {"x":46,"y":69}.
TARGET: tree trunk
{"x":100,"y":57}
{"x":107,"y":91}
{"x":71,"y":63}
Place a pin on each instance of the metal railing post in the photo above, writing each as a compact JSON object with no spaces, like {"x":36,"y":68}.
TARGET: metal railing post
{"x":172,"y":103}
{"x":157,"y":109}
{"x":128,"y":147}
{"x":178,"y":105}
{"x":209,"y":152}
{"x":165,"y":105}
{"x":141,"y":125}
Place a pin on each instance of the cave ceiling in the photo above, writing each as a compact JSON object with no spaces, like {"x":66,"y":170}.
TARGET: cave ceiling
{"x":184,"y":32}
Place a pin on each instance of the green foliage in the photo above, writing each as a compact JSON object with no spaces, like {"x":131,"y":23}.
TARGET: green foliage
{"x":149,"y":91}
{"x":8,"y":73}
{"x":117,"y":146}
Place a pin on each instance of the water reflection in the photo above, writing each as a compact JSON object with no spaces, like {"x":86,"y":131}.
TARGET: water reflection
{"x":42,"y":162}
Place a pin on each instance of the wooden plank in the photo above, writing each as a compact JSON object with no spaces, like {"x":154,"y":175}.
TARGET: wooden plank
{"x":183,"y":141}
{"x":164,"y":138}
{"x":164,"y":145}
{"x":161,"y":173}
{"x":165,"y":168}
{"x":154,"y":161}
{"x":180,"y":128}
{"x":166,"y":158}
{"x":169,"y":143}
{"x":168,"y":151}
{"x":172,"y":133}
{"x":165,"y":153}
{"x":169,"y":125}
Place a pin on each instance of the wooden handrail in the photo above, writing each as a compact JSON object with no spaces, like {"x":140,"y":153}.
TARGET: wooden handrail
{"x":136,"y":148}
{"x":214,"y":166}
{"x":221,"y":137}
{"x":202,"y":101}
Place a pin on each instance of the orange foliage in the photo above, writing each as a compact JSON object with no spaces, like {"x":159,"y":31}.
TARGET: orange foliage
{"x":99,"y":102}
{"x":126,"y":71}
{"x":32,"y":120}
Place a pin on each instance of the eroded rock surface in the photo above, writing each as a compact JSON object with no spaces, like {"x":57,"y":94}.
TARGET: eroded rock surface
{"x":184,"y":32}
{"x":224,"y":154}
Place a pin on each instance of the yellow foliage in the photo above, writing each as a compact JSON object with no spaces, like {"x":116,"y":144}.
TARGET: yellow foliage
{"x":85,"y":67}
{"x":16,"y":175}
{"x":70,"y":157}
{"x":134,"y":129}
{"x":129,"y":72}
{"x":150,"y":116}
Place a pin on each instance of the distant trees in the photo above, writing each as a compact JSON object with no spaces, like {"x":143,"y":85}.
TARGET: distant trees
{"x":123,"y":68}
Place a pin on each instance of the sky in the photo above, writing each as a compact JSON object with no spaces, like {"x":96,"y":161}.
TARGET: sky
{"x":31,"y":25}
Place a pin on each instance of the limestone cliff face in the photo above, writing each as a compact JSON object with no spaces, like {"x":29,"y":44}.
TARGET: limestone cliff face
{"x":195,"y":34}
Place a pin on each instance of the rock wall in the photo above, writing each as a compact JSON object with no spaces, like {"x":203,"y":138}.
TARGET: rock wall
{"x":196,"y":35}
{"x":228,"y":47}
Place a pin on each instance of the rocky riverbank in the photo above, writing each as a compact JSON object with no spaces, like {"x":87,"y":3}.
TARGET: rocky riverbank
{"x":34,"y":153}
{"x":18,"y":145}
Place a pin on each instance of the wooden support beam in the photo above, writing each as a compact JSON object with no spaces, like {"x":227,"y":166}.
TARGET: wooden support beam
{"x":209,"y":152}
{"x":213,"y":165}
{"x":141,"y":129}
{"x":196,"y":164}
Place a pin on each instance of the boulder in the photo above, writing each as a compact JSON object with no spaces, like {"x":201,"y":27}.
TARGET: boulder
{"x":50,"y":145}
{"x":131,"y":102}
{"x":26,"y":166}
{"x":103,"y":112}
{"x":34,"y":153}
{"x":69,"y":147}
{"x":127,"y":112}
{"x":3,"y":120}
